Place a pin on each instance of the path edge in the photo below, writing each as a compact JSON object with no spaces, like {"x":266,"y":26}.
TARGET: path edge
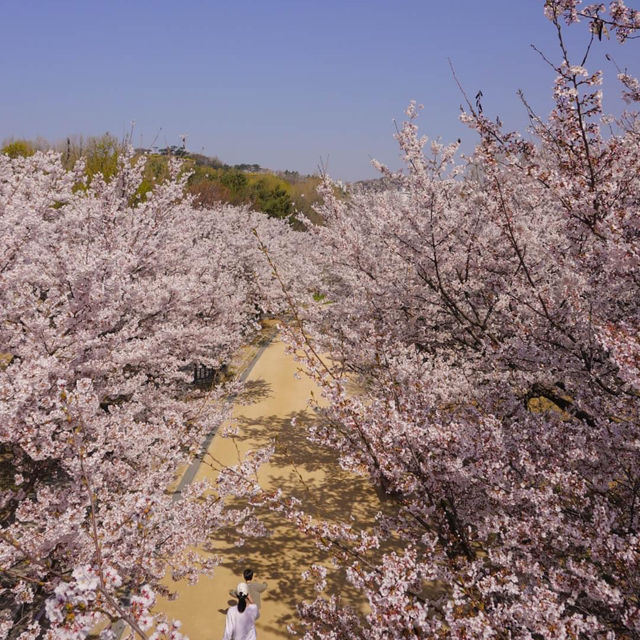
{"x":190,"y":473}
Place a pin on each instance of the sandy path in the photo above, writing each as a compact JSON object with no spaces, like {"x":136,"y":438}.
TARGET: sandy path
{"x":277,"y":396}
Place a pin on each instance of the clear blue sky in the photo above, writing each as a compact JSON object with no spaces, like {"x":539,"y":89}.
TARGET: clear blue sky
{"x":280,"y":83}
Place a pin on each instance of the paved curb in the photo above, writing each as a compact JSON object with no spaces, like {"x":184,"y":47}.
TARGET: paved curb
{"x":190,"y":473}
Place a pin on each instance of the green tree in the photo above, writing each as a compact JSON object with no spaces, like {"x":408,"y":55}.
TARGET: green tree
{"x":235,"y":181}
{"x":274,"y":200}
{"x":101,"y":156}
{"x":17,"y":148}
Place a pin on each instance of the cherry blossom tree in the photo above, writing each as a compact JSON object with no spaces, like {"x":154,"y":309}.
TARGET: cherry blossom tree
{"x":489,"y":311}
{"x":106,"y":303}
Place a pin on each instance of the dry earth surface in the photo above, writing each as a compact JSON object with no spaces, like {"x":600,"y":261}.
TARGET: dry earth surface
{"x":273,"y":396}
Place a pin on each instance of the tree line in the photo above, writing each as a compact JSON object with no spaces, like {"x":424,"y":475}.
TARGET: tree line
{"x":287,"y":194}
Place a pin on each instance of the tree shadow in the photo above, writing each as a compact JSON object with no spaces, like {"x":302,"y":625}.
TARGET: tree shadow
{"x":311,"y":473}
{"x":253,"y":392}
{"x":306,"y":469}
{"x":279,"y":561}
{"x":291,"y":440}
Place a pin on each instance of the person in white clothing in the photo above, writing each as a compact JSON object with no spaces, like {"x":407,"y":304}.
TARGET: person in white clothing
{"x":241,"y":618}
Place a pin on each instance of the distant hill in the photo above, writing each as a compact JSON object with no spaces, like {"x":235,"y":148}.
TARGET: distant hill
{"x":281,"y":194}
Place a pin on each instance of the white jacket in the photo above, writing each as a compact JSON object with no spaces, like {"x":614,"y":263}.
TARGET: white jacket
{"x":241,"y":626}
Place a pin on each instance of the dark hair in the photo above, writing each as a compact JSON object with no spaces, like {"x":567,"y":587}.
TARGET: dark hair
{"x":242,"y":602}
{"x":248,"y":574}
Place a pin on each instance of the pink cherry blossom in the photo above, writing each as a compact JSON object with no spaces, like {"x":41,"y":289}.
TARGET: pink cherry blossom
{"x":488,"y":310}
{"x":106,"y":305}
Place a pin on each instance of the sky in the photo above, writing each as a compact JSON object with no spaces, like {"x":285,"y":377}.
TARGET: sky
{"x":285,"y":84}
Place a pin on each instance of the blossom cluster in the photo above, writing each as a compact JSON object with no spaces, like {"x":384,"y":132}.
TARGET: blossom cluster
{"x":488,"y":311}
{"x":106,"y":304}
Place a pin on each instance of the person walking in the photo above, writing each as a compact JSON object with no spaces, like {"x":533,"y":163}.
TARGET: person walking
{"x":241,"y":618}
{"x":255,"y":588}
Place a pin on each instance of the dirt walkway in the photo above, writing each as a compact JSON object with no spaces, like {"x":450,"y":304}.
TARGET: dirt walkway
{"x":327,"y":491}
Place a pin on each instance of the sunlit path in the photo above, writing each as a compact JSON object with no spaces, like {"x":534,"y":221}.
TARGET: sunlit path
{"x":276,"y":396}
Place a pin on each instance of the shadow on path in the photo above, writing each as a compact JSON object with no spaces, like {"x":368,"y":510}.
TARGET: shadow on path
{"x":310,"y":473}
